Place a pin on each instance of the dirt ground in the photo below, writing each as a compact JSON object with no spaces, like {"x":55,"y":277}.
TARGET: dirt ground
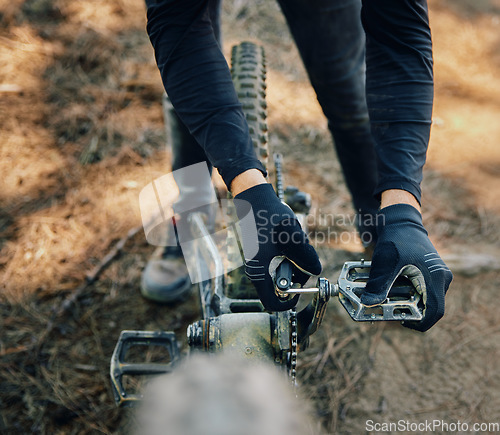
{"x":81,"y":133}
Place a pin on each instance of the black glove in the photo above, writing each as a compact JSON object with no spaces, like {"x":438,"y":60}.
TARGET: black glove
{"x":277,"y":233}
{"x":404,"y":248}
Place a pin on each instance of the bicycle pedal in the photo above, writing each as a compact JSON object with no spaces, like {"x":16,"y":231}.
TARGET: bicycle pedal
{"x":158,"y":346}
{"x":403,"y":303}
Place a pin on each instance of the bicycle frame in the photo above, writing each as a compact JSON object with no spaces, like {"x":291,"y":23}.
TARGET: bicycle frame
{"x":213,"y":300}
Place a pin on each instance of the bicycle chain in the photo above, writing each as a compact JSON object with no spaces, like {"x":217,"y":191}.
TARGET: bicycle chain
{"x":293,"y":347}
{"x":293,"y":311}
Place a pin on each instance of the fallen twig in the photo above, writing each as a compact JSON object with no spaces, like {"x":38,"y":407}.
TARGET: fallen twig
{"x":91,"y":278}
{"x":12,"y":350}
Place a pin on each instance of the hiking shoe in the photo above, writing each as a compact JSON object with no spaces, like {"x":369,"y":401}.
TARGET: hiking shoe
{"x":165,"y":278}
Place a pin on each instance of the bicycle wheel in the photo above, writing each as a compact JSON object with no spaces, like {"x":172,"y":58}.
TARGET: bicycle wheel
{"x":248,"y":70}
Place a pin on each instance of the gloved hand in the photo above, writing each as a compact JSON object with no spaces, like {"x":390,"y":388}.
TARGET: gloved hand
{"x":278,"y":234}
{"x":404,"y":248}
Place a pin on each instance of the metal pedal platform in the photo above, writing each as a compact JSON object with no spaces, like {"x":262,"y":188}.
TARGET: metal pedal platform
{"x":120,"y":367}
{"x":403,"y":302}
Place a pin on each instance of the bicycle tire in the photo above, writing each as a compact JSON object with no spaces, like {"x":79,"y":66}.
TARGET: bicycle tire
{"x":248,"y":71}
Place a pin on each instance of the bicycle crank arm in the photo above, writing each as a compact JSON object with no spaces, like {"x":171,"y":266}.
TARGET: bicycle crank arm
{"x":309,"y":319}
{"x":283,"y":282}
{"x":121,"y":367}
{"x":403,"y":302}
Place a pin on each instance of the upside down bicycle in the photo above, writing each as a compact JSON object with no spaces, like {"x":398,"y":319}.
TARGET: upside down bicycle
{"x":232,"y":316}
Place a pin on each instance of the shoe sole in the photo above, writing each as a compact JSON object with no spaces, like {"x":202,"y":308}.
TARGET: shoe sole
{"x":167,"y":296}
